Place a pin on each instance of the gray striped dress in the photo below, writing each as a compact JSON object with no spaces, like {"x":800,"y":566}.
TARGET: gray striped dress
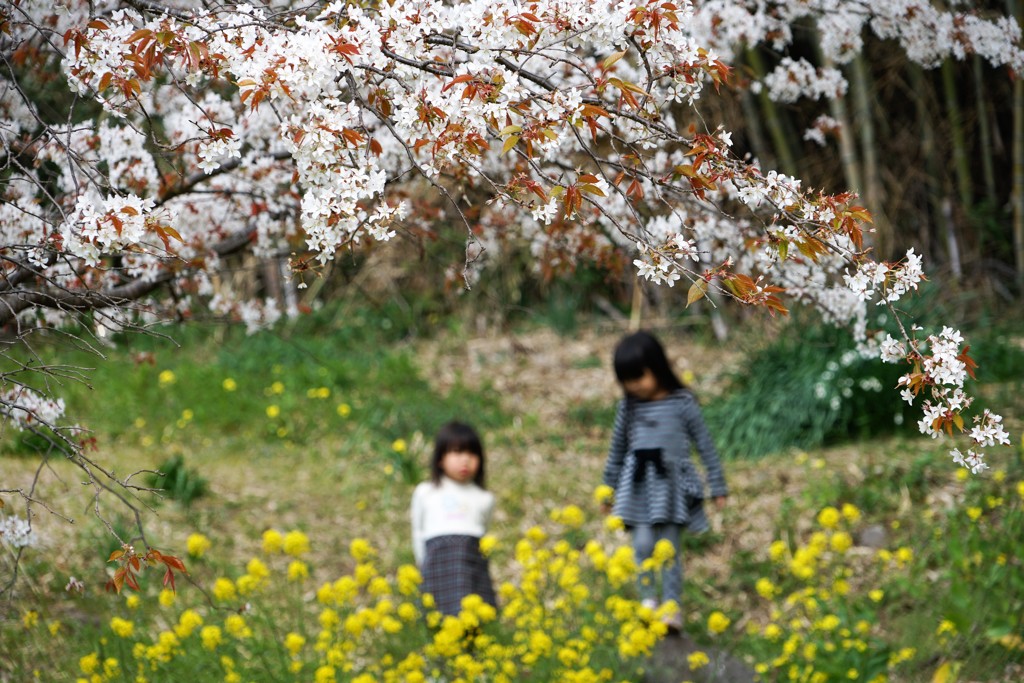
{"x":649,"y":463}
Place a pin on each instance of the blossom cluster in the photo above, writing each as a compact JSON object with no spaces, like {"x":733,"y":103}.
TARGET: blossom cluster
{"x":299,"y":130}
{"x":25,"y":408}
{"x":16,"y":532}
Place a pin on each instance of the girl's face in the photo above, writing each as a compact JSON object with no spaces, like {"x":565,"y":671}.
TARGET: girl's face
{"x":645,"y":387}
{"x":461,"y":466}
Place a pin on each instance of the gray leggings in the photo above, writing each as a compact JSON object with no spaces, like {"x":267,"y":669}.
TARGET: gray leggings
{"x":644,"y":538}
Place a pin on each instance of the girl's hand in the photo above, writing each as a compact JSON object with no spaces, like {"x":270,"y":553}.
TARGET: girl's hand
{"x":606,"y":508}
{"x":719,"y":502}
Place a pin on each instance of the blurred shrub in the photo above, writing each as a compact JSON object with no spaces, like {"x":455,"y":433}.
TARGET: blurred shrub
{"x":179,"y":482}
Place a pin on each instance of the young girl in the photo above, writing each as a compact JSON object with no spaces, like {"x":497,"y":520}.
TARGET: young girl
{"x":450,"y":514}
{"x":658,"y":492}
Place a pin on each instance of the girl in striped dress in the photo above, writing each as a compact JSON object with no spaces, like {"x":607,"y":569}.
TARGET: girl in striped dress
{"x":450,"y":514}
{"x":658,"y":491}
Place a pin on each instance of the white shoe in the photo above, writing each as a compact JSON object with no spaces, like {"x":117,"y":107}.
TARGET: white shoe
{"x":673,"y":621}
{"x":672,"y":615}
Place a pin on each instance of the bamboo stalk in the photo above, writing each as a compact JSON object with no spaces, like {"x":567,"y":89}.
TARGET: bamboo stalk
{"x":961,"y":164}
{"x":934,"y":187}
{"x":1017,"y":196}
{"x":874,"y":196}
{"x":773,"y":119}
{"x":988,"y":166}
{"x":847,"y":150}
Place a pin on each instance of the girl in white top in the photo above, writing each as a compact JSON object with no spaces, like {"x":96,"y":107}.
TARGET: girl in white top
{"x":450,"y":514}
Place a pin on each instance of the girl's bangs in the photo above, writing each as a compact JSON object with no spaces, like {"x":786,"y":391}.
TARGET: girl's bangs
{"x":628,"y":368}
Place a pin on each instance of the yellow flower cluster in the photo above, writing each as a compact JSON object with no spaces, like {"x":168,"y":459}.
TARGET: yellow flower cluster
{"x":566,"y":617}
{"x":811,"y":632}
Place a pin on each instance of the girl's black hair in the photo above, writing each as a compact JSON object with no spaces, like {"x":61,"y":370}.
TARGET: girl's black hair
{"x":456,"y":436}
{"x":642,"y":351}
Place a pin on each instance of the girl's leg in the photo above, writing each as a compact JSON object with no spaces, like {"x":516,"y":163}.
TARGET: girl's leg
{"x":643,"y":546}
{"x":672,"y":574}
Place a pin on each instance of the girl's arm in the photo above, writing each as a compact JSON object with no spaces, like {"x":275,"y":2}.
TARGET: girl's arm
{"x":619,"y":446}
{"x":693,"y":420}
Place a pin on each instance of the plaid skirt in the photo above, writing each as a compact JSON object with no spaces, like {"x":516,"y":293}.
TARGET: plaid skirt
{"x":453,"y":568}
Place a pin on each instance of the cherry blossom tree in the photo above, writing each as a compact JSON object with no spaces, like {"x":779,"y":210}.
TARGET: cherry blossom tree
{"x":146,"y":142}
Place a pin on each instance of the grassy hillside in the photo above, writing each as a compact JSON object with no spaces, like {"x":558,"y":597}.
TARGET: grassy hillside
{"x":323,"y":432}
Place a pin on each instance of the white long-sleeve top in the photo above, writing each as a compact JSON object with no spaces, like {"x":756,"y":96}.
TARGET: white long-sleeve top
{"x":448,"y":508}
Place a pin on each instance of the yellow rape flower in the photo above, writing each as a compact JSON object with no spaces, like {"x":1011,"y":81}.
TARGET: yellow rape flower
{"x":487,"y":544}
{"x":664,"y":552}
{"x":974,"y":513}
{"x":697,"y":659}
{"x":613,"y":523}
{"x":361,"y":550}
{"x":224,"y":589}
{"x":132,"y":602}
{"x":30,"y":618}
{"x":273,"y":542}
{"x":229,"y":384}
{"x":197,"y":544}
{"x":829,"y":517}
{"x":765,"y":588}
{"x":273,"y":411}
{"x":294,"y":643}
{"x":399,"y":446}
{"x":378,"y":586}
{"x":344,"y":410}
{"x":211,"y":637}
{"x":122,"y":628}
{"x":296,"y":543}
{"x":850,"y":513}
{"x":256,"y":568}
{"x":235,"y":625}
{"x":571,"y":516}
{"x":166,"y":598}
{"x":777,"y":550}
{"x":325,"y":674}
{"x":298,"y":570}
{"x":718,"y":622}
{"x":604,"y":494}
{"x":876,"y":595}
{"x":166,"y":378}
{"x":188,"y":622}
{"x":90,"y":663}
{"x":409,"y":578}
{"x":841,"y":541}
